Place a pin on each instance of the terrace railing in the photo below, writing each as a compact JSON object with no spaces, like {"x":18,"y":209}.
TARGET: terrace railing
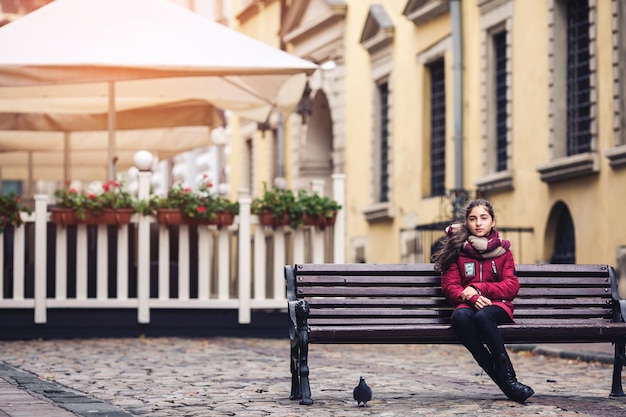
{"x":146,"y":266}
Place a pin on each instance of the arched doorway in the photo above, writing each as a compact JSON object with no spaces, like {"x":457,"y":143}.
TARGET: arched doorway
{"x":561,"y":236}
{"x":316,"y":154}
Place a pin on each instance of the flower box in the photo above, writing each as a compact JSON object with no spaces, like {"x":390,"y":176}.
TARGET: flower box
{"x":319,"y":221}
{"x":68,"y":216}
{"x":175,"y":217}
{"x":266,"y":218}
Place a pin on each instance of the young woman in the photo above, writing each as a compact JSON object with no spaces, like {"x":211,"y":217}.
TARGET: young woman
{"x":478,"y":279}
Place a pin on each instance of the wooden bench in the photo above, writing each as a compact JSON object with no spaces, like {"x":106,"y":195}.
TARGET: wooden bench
{"x":403,"y":303}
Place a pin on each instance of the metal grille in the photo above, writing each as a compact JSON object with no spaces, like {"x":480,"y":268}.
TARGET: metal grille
{"x":437,"y":128}
{"x":383,"y":92}
{"x":578,"y":78}
{"x":421,"y":242}
{"x":499,"y":47}
{"x":564,"y":241}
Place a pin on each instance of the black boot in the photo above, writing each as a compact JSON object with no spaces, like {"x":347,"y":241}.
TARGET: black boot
{"x":509,"y":384}
{"x":486,"y":362}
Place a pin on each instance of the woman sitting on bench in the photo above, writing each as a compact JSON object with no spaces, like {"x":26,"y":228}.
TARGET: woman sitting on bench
{"x":478,"y":279}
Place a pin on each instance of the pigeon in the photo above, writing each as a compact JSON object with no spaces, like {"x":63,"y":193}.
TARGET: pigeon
{"x":362,"y":393}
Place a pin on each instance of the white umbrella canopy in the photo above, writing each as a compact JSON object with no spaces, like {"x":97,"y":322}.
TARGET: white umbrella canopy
{"x":61,"y":57}
{"x":101,"y":57}
{"x":83,"y":155}
{"x":58,"y":146}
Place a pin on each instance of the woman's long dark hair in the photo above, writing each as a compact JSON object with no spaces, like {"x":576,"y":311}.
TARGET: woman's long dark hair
{"x":452,"y":243}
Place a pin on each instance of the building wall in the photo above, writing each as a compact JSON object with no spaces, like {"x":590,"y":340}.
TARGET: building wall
{"x":594,"y":200}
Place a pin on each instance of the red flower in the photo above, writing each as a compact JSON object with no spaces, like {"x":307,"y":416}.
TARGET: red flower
{"x":92,"y":196}
{"x":202,"y":209}
{"x":105,"y":187}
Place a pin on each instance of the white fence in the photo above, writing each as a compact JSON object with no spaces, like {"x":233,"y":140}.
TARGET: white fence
{"x":147,"y":266}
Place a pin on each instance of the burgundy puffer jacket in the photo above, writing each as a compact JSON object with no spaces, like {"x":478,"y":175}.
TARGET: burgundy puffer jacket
{"x":493,"y":278}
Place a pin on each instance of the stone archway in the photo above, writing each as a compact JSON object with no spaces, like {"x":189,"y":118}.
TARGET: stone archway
{"x":560,"y":236}
{"x":316,"y":154}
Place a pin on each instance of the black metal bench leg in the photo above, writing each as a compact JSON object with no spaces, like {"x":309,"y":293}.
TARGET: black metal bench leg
{"x":302,"y":315}
{"x":618,"y":365}
{"x":295,"y":378}
{"x":305,"y":388}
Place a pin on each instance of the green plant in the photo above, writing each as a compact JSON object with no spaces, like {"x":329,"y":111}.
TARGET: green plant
{"x":278,"y":202}
{"x":316,"y":205}
{"x":200,"y":204}
{"x":10,"y":208}
{"x":112,"y":196}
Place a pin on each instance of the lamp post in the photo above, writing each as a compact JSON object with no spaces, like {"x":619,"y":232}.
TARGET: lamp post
{"x":143,"y":161}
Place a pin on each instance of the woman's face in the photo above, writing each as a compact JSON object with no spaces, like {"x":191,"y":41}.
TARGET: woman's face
{"x":480,"y":222}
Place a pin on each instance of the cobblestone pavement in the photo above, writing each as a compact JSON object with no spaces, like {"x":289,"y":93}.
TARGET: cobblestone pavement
{"x":161,"y":377}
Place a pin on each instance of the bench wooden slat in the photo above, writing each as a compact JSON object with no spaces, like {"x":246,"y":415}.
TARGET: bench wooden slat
{"x":360,"y":269}
{"x":365,"y":302}
{"x":369,"y":280}
{"x":558,"y":270}
{"x":436,"y":292}
{"x":426,"y":312}
{"x":435,"y":280}
{"x":369,"y":291}
{"x":521,"y":303}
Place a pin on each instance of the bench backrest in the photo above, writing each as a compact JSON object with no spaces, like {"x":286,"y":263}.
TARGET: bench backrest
{"x":371,"y":295}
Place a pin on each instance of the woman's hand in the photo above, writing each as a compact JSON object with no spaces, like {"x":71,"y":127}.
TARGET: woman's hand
{"x":482,"y":302}
{"x":468,"y":293}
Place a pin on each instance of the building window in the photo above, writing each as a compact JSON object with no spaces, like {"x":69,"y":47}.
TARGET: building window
{"x":377,"y":38}
{"x":578,"y":78}
{"x":573,"y":141}
{"x":500,"y":90}
{"x":496,"y":21}
{"x":564,"y":251}
{"x":617,"y":154}
{"x":437,"y":128}
{"x":383,"y":97}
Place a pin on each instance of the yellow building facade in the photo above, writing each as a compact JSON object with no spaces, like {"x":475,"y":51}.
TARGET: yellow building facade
{"x":426,"y":104}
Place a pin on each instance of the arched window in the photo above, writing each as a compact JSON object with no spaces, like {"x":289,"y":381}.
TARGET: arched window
{"x":564,"y":250}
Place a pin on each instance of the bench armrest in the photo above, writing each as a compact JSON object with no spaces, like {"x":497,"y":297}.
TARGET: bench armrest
{"x":618,"y":302}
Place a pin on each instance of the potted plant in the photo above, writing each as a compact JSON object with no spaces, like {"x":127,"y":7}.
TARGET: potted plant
{"x":182,"y":205}
{"x":318,"y":210}
{"x":10,"y":210}
{"x":113,"y":205}
{"x":277,"y":207}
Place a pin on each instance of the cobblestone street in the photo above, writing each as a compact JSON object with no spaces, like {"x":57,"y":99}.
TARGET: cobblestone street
{"x":161,"y":377}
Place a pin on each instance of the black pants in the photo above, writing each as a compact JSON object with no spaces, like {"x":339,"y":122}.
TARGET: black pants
{"x":477,"y":328}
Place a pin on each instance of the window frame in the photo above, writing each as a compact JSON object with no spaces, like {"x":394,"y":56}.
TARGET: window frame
{"x":617,"y":154}
{"x":562,"y":167}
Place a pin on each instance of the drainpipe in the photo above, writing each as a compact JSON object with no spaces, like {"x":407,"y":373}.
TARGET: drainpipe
{"x":457,"y":68}
{"x":280,"y":129}
{"x":280,"y":145}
